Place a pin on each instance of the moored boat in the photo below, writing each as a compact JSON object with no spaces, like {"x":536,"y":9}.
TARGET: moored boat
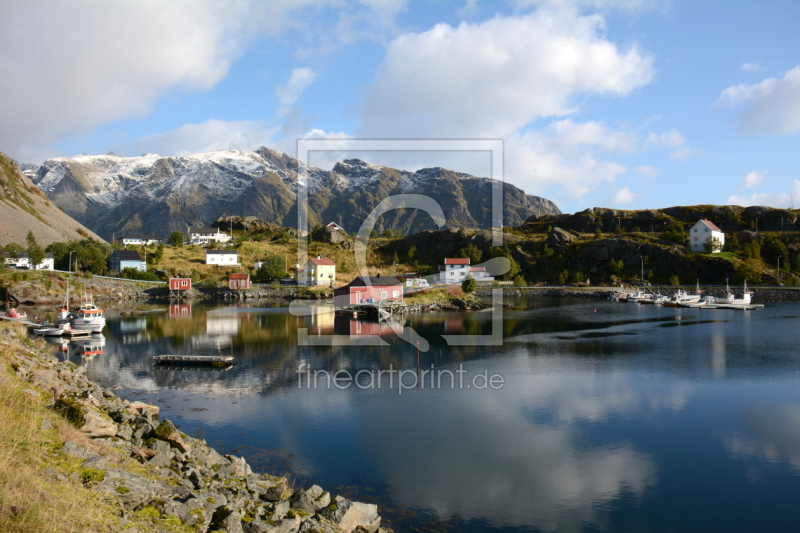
{"x":88,"y":316}
{"x":731,"y":299}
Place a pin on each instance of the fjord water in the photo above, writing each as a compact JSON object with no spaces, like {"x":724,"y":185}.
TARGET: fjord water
{"x":612,"y":416}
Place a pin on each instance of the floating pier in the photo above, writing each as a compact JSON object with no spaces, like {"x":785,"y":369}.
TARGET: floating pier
{"x":211,"y":360}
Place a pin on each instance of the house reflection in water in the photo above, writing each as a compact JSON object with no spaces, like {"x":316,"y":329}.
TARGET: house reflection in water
{"x":321,"y":323}
{"x":180,"y":310}
{"x":360,"y":327}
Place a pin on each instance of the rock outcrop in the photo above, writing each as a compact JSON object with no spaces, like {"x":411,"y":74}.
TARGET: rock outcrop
{"x":183,"y":481}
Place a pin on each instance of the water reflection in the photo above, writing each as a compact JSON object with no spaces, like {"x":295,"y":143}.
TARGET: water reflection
{"x":601,"y":412}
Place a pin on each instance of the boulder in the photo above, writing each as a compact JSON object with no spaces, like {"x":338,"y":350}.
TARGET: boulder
{"x":559,"y":237}
{"x":130,"y":489}
{"x":349,"y":515}
{"x":167,"y":431}
{"x":141,"y":408}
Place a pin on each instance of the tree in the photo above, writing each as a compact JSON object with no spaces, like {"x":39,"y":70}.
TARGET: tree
{"x":712,"y":245}
{"x":395,"y":259}
{"x":598,"y":234}
{"x":272,"y":267}
{"x":751,"y":250}
{"x":673,"y":280}
{"x":35,"y":252}
{"x":469,"y":284}
{"x":472,"y":252}
{"x":563,"y":276}
{"x":177,"y":238}
{"x":519,"y":281}
{"x":159,"y":253}
{"x":615,"y":266}
{"x":388,"y":233}
{"x":577,"y":277}
{"x":411,"y":253}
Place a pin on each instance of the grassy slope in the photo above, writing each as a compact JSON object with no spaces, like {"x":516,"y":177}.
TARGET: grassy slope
{"x":42,"y":489}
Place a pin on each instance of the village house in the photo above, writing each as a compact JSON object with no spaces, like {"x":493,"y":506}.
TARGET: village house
{"x":456,"y":270}
{"x":222,"y":257}
{"x":318,"y":271}
{"x":374,"y":289}
{"x":207,"y":236}
{"x":138,"y":239}
{"x":239,"y":281}
{"x":23,"y":261}
{"x":334,"y":226}
{"x":702,"y":232}
{"x":121,"y":259}
{"x":180,"y":284}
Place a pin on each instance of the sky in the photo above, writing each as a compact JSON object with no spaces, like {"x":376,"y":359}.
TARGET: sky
{"x":628,"y":104}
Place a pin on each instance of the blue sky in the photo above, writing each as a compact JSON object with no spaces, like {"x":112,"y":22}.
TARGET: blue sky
{"x":626,"y":104}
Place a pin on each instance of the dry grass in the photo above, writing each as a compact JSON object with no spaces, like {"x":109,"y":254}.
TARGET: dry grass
{"x":30,"y":500}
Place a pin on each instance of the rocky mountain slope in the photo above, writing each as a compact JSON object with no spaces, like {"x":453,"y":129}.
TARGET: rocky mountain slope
{"x":729,"y":218}
{"x":156,"y":194}
{"x":24,"y":208}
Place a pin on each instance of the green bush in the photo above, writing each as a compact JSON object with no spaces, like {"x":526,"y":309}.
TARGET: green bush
{"x":469,"y":285}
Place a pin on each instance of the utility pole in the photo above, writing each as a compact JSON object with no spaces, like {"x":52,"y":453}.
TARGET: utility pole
{"x":779,"y":270}
{"x":70,"y":261}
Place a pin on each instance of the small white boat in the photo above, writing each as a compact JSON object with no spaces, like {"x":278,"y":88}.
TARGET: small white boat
{"x":683,"y":297}
{"x":657,"y":299}
{"x":731,"y":299}
{"x":88,"y":316}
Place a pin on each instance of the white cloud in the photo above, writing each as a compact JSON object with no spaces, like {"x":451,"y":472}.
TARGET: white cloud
{"x":623,"y":196}
{"x":571,"y":135}
{"x":681,"y":154}
{"x":751,"y":67}
{"x":670,"y":139}
{"x":69,"y":67}
{"x":773,"y":199}
{"x":207,"y":136}
{"x":774,"y":104}
{"x":298,"y":82}
{"x":492,"y":78}
{"x":753,"y":179}
{"x":647,"y":171}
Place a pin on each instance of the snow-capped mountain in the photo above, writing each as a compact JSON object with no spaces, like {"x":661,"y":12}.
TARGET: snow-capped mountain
{"x":157,"y":194}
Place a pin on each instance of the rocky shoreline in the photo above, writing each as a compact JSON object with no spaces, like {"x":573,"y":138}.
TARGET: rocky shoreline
{"x":180,"y":481}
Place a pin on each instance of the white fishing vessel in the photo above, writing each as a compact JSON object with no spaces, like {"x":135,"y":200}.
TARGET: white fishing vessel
{"x":731,"y":299}
{"x":62,"y":322}
{"x":88,"y":316}
{"x":682,"y":297}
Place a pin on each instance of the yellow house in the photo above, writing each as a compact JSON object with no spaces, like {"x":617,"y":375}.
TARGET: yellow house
{"x":318,"y":271}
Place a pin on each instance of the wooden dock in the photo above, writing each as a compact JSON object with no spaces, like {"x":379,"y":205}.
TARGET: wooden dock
{"x":211,"y":360}
{"x":748,"y":307}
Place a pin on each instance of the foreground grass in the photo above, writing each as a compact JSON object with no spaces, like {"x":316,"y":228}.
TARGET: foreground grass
{"x":43,"y":490}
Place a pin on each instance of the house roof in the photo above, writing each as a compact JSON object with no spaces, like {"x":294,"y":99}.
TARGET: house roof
{"x":140,"y":236}
{"x":477,"y":269}
{"x":710,"y":224}
{"x":221,"y":252}
{"x":375,"y":281}
{"x":239,"y":276}
{"x":456,"y":261}
{"x":333,"y":225}
{"x":24,"y":255}
{"x":128,"y":255}
{"x":322,"y":261}
{"x":204,"y":230}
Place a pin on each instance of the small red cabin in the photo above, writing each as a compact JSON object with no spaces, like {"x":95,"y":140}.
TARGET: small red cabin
{"x":239,"y":281}
{"x":180,"y":284}
{"x":372,"y":290}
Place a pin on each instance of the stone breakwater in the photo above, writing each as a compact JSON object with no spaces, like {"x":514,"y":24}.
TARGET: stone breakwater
{"x":181,"y":479}
{"x":760,"y":295}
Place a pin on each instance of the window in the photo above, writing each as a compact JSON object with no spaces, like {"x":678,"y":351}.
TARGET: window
{"x":695,"y":230}
{"x":383,"y":294}
{"x":395,"y":294}
{"x":184,"y":283}
{"x":706,"y":230}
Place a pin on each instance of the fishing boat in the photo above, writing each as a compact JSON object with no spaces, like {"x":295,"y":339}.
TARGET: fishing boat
{"x":88,"y":316}
{"x":731,"y":299}
{"x":683,"y":297}
{"x":62,"y":324}
{"x":656,"y":299}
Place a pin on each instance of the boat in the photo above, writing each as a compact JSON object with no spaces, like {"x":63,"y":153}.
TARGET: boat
{"x":13,"y":313}
{"x":683,"y":297}
{"x":731,"y":299}
{"x":638,"y":295}
{"x":88,"y":316}
{"x":62,"y":324}
{"x":656,"y":299}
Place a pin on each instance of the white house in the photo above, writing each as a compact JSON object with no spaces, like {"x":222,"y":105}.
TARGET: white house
{"x":335,"y":226}
{"x":138,"y":239}
{"x":318,"y":271}
{"x":222,"y":257}
{"x":456,"y":270}
{"x":207,"y":235}
{"x":22,"y":261}
{"x":702,"y":232}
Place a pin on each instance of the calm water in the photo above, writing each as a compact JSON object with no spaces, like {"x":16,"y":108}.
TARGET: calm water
{"x":612,"y":416}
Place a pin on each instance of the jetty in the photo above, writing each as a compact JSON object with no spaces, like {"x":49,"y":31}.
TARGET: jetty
{"x":211,"y":360}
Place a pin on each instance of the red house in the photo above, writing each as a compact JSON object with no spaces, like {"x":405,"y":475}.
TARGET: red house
{"x":239,"y":281}
{"x":374,"y":289}
{"x":180,"y":284}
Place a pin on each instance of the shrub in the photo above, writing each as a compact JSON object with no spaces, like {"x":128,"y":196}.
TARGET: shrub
{"x":469,"y":284}
{"x":673,"y":280}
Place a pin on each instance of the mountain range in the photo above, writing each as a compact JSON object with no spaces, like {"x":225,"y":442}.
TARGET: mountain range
{"x":111,"y":194}
{"x":24,"y":208}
